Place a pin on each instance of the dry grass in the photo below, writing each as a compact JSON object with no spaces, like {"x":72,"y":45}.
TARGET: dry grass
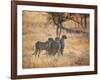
{"x":36,"y":28}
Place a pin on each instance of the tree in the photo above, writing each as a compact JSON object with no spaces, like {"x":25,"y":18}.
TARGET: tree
{"x":58,"y":18}
{"x":84,"y":20}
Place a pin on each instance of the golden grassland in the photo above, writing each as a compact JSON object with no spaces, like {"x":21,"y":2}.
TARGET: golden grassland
{"x":36,"y":28}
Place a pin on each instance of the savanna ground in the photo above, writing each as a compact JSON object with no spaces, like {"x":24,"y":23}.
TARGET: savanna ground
{"x":36,"y":28}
